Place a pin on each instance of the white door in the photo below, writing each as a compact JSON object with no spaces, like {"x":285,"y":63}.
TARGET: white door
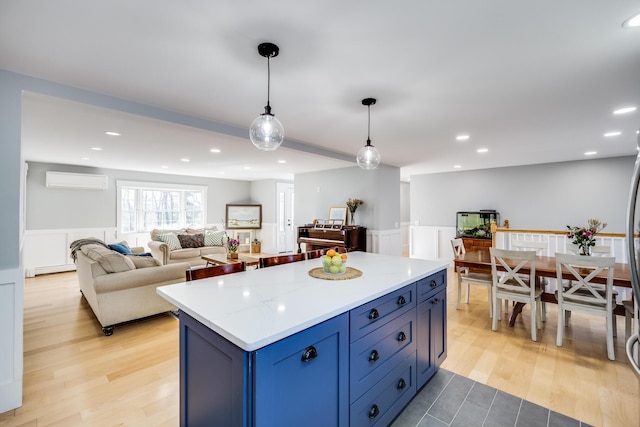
{"x":285,"y":234}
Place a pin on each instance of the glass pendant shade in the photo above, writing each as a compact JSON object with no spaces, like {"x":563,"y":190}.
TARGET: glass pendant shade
{"x":266,"y":132}
{"x":368,"y":157}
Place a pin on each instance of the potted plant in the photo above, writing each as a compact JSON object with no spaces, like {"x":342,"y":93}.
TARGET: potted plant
{"x":232,"y":246}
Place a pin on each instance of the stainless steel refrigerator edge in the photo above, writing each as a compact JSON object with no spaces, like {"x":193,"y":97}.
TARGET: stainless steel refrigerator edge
{"x":634,"y":260}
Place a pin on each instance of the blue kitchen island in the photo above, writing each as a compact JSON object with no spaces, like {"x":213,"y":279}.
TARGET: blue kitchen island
{"x":277,"y":347}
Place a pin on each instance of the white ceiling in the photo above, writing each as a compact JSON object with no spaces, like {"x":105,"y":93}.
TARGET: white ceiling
{"x":533,"y":82}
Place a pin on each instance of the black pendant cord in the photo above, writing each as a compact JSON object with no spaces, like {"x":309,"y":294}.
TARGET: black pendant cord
{"x":369,"y":125}
{"x":268,"y":107}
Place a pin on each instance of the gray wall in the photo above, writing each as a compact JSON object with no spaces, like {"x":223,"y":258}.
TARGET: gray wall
{"x":10,"y":169}
{"x":264,"y":192}
{"x":546,"y":196}
{"x":55,"y":208}
{"x":316,"y":192}
{"x":405,"y":202}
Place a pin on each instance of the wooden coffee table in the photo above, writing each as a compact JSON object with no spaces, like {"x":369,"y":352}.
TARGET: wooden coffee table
{"x":220,"y":259}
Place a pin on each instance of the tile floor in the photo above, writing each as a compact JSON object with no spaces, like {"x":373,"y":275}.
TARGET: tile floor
{"x":451,"y":400}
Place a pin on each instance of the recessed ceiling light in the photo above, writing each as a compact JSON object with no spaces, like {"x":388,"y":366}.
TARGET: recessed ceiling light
{"x":185,"y":160}
{"x":164,"y":167}
{"x":590,"y":153}
{"x":610,"y":134}
{"x":632,"y":22}
{"x":482,"y":150}
{"x":462,"y":137}
{"x":84,"y":158}
{"x":457,"y":166}
{"x":220,"y":173}
{"x":624,"y":110}
{"x":247,"y":168}
{"x":112,"y":133}
{"x":282,"y":161}
{"x":96,"y":148}
{"x":215,"y":150}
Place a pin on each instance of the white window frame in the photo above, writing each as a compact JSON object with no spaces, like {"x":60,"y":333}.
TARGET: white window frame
{"x":138,"y":185}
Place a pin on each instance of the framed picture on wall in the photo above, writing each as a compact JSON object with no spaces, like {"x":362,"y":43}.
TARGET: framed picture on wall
{"x":242,"y":217}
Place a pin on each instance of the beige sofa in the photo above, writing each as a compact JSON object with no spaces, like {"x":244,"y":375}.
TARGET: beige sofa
{"x":166,"y":254}
{"x":122,"y":290}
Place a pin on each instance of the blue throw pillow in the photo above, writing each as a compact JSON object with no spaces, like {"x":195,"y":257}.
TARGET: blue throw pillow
{"x":121,"y":248}
{"x":144,"y":254}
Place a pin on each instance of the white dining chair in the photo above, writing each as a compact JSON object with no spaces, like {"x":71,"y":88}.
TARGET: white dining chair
{"x":583,"y":295}
{"x":512,"y":284}
{"x":598,"y":251}
{"x":468,"y":278}
{"x":541,"y":250}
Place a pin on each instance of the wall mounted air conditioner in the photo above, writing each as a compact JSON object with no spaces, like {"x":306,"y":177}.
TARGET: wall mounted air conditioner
{"x":80,"y":181}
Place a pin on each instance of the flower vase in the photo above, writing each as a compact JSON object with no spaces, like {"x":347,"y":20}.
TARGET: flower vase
{"x":585,"y":250}
{"x":351,"y":220}
{"x":232,"y":255}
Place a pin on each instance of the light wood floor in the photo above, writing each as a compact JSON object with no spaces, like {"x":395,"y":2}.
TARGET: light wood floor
{"x":74,"y":375}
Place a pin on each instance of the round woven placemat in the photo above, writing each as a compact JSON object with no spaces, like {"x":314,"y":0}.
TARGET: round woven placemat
{"x":351,"y":273}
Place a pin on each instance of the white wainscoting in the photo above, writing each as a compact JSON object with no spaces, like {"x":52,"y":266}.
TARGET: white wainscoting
{"x":47,"y":251}
{"x":11,"y":333}
{"x":557,"y":243}
{"x":404,"y":237}
{"x":385,"y":242}
{"x":431,"y":242}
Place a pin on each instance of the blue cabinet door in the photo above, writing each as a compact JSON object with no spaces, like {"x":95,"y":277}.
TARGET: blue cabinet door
{"x":303,"y":380}
{"x":431,"y":335}
{"x":213,"y":378}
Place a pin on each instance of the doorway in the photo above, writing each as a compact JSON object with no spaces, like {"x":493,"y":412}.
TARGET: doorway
{"x":285,"y":235}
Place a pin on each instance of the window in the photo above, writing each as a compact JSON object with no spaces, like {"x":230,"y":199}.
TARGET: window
{"x":144,"y":206}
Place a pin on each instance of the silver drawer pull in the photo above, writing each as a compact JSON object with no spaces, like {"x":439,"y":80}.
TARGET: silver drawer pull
{"x":402,"y":336}
{"x":374,"y":356}
{"x":373,"y":314}
{"x":401,"y":384}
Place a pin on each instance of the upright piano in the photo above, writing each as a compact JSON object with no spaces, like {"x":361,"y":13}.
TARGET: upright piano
{"x":351,"y":237}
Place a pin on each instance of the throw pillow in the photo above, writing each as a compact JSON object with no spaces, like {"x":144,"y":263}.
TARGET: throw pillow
{"x":171,"y":240}
{"x":191,"y":240}
{"x":143,"y":262}
{"x":121,"y":247}
{"x":111,"y":261}
{"x":213,"y":238}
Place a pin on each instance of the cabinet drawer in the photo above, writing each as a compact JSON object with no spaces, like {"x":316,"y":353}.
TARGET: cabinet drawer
{"x":429,"y":286}
{"x":372,"y":315}
{"x":381,"y":404}
{"x":374,"y":355}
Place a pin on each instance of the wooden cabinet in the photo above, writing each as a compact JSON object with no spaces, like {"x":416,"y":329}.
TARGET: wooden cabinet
{"x":471,"y":244}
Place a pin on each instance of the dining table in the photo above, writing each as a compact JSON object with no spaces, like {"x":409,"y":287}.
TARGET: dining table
{"x":480,"y":262}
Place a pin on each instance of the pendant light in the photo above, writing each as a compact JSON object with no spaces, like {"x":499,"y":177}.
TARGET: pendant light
{"x":266,"y":132}
{"x":368,"y":156}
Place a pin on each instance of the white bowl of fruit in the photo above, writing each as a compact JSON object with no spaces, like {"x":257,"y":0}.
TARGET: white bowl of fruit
{"x":334,"y":262}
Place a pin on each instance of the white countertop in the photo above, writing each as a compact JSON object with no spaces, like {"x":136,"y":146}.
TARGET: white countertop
{"x":255,"y":308}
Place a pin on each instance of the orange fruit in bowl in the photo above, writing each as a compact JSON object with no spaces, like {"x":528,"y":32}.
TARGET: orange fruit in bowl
{"x":331,"y":253}
{"x":343,"y":256}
